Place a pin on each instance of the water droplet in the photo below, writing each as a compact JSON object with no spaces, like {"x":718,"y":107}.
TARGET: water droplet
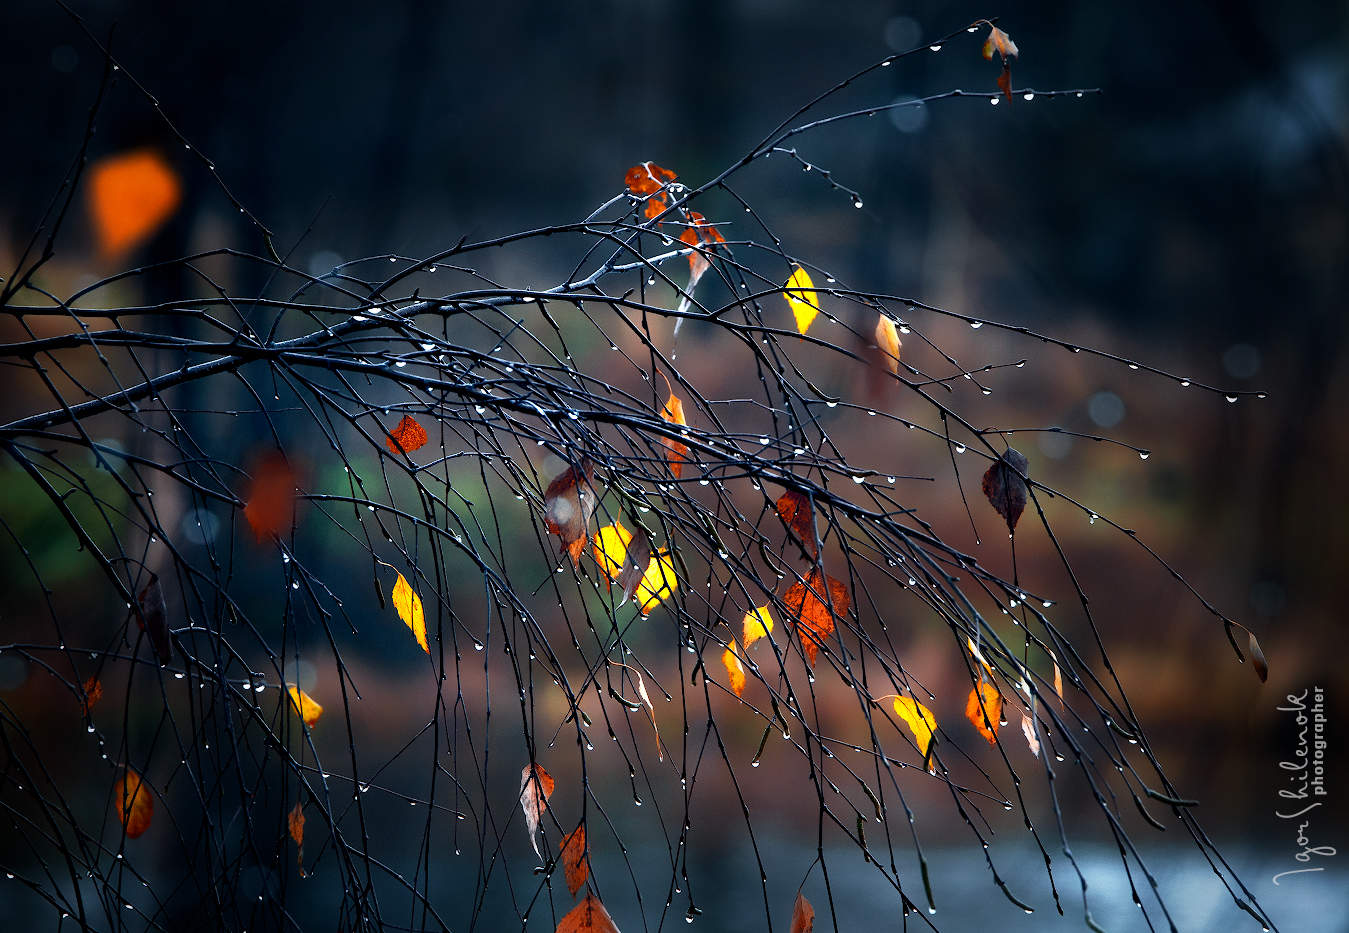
{"x":1184,"y":383}
{"x":178,"y":676}
{"x":91,"y":729}
{"x":1029,"y":95}
{"x":960,"y":448}
{"x":934,"y":48}
{"x":1230,"y":398}
{"x":859,"y":480}
{"x":994,"y":101}
{"x":975,"y":325}
{"x":857,"y":203}
{"x":1144,"y":454}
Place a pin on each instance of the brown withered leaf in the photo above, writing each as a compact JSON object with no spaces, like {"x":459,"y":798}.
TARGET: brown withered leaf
{"x":636,"y":560}
{"x":1005,"y":488}
{"x":134,"y":802}
{"x":803,"y":915}
{"x":93,"y":692}
{"x":809,"y":602}
{"x":153,"y":618}
{"x":988,"y":716}
{"x":1257,"y":658}
{"x":673,"y":413}
{"x":797,"y":514}
{"x":568,"y":503}
{"x":1005,"y":82}
{"x":295,"y":822}
{"x":536,"y":786}
{"x":575,"y":858}
{"x":406,"y":437}
{"x":1028,"y":730}
{"x":998,"y":41}
{"x":270,"y":508}
{"x":699,"y":233}
{"x":589,"y":916}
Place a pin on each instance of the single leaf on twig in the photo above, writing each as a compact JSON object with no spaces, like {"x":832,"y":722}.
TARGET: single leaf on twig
{"x":575,"y":858}
{"x":295,"y":823}
{"x":658,"y":582}
{"x":803,"y":915}
{"x":93,"y":692}
{"x":270,"y":509}
{"x":1028,"y":730}
{"x":921,"y":723}
{"x":409,"y":607}
{"x":699,"y":233}
{"x":673,"y":412}
{"x":134,"y":802}
{"x":406,"y":437}
{"x":304,"y":705}
{"x":735,"y":671}
{"x":1005,"y":82}
{"x":568,"y":503}
{"x":589,"y":916}
{"x":797,"y":514}
{"x":758,"y":623}
{"x":802,"y":299}
{"x":998,"y":41}
{"x":153,"y":618}
{"x":1005,"y":487}
{"x":1258,"y":658}
{"x":814,"y":603}
{"x":648,"y":178}
{"x":984,"y":710}
{"x":536,"y":786}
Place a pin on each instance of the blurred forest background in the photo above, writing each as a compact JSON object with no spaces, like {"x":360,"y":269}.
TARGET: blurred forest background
{"x":1194,"y":216}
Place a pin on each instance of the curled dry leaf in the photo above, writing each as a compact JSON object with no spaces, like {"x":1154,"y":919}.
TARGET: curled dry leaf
{"x":1257,"y":658}
{"x":921,"y":723}
{"x":536,"y":786}
{"x":575,"y":858}
{"x":1005,"y":487}
{"x":998,"y":41}
{"x":153,"y":618}
{"x":1028,"y":730}
{"x":735,"y":671}
{"x":130,"y":195}
{"x":803,"y":915}
{"x":1005,"y":82}
{"x":589,"y":916}
{"x":409,"y":607}
{"x":295,"y":822}
{"x":304,"y":705}
{"x":93,"y":692}
{"x":406,"y":437}
{"x":758,"y":623}
{"x":984,"y":710}
{"x":673,"y":413}
{"x":568,"y":503}
{"x":270,"y":508}
{"x":699,"y":233}
{"x":888,"y":343}
{"x":650,"y":710}
{"x":814,"y":603}
{"x":802,"y":299}
{"x":134,"y":802}
{"x":648,"y":178}
{"x":637,"y":559}
{"x":797,"y":514}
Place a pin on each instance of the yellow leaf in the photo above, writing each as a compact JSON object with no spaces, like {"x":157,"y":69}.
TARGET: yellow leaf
{"x":304,"y":704}
{"x":659,"y":581}
{"x":801,"y":297}
{"x":409,"y":606}
{"x":920,"y":721}
{"x":758,"y":623}
{"x":887,"y":340}
{"x":610,"y":547}
{"x":735,"y":671}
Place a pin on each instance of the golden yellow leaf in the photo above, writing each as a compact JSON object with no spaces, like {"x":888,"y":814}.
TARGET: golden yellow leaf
{"x":304,"y":705}
{"x":802,"y":299}
{"x":610,"y":547}
{"x":735,"y":671}
{"x":758,"y":623}
{"x":887,"y":341}
{"x":984,"y":710}
{"x":409,"y":607}
{"x":658,"y":583}
{"x":920,"y":721}
{"x":135,"y":803}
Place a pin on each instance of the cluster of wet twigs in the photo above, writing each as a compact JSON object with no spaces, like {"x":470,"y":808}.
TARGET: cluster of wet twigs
{"x":158,"y":418}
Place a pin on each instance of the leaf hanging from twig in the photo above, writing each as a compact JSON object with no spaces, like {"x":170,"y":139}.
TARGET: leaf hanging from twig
{"x":536,"y":786}
{"x":1005,"y":487}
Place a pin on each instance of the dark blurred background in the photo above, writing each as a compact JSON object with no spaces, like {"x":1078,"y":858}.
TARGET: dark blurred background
{"x":1193,"y":215}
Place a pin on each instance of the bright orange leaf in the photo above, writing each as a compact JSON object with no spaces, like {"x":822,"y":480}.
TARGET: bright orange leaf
{"x":93,"y":692}
{"x":406,"y":437}
{"x":130,"y":196}
{"x":809,"y":602}
{"x":575,"y":858}
{"x":803,"y":915}
{"x":409,"y":608}
{"x":988,"y":717}
{"x":568,"y":503}
{"x":270,"y":509}
{"x":1005,"y":82}
{"x":135,"y":803}
{"x":655,"y":206}
{"x":673,"y":412}
{"x":796,"y":513}
{"x":735,"y":671}
{"x":536,"y":786}
{"x":295,"y":821}
{"x":758,"y":623}
{"x":589,"y":916}
{"x":699,"y":233}
{"x":648,"y":178}
{"x":308,"y":709}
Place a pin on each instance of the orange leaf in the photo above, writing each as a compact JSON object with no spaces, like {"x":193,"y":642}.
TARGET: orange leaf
{"x":575,"y":858}
{"x":887,"y":341}
{"x":93,"y":692}
{"x":304,"y":705}
{"x":296,"y":823}
{"x":655,"y":206}
{"x":699,"y":233}
{"x":407,"y":437}
{"x":648,"y":178}
{"x":1005,"y":82}
{"x":568,"y":503}
{"x":536,"y":786}
{"x":796,"y":513}
{"x":735,"y":671}
{"x":130,"y":197}
{"x":803,"y":915}
{"x":135,"y":803}
{"x":988,"y":716}
{"x":674,"y":414}
{"x":271,"y":498}
{"x":998,"y":41}
{"x":807,"y":602}
{"x":589,"y":916}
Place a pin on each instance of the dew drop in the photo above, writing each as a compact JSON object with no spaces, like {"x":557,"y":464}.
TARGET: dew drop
{"x":994,"y":101}
{"x":1144,"y":454}
{"x":1184,"y":383}
{"x":1028,"y":96}
{"x":975,"y":325}
{"x":934,"y":48}
{"x":1230,"y":398}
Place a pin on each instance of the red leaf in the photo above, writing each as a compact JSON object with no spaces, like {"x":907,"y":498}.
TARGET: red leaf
{"x":407,"y":437}
{"x":134,"y":802}
{"x":796,"y":513}
{"x":699,"y":233}
{"x":648,"y":178}
{"x":810,"y":602}
{"x":803,"y":915}
{"x":271,"y":498}
{"x":1005,"y":82}
{"x":589,"y":916}
{"x":93,"y":692}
